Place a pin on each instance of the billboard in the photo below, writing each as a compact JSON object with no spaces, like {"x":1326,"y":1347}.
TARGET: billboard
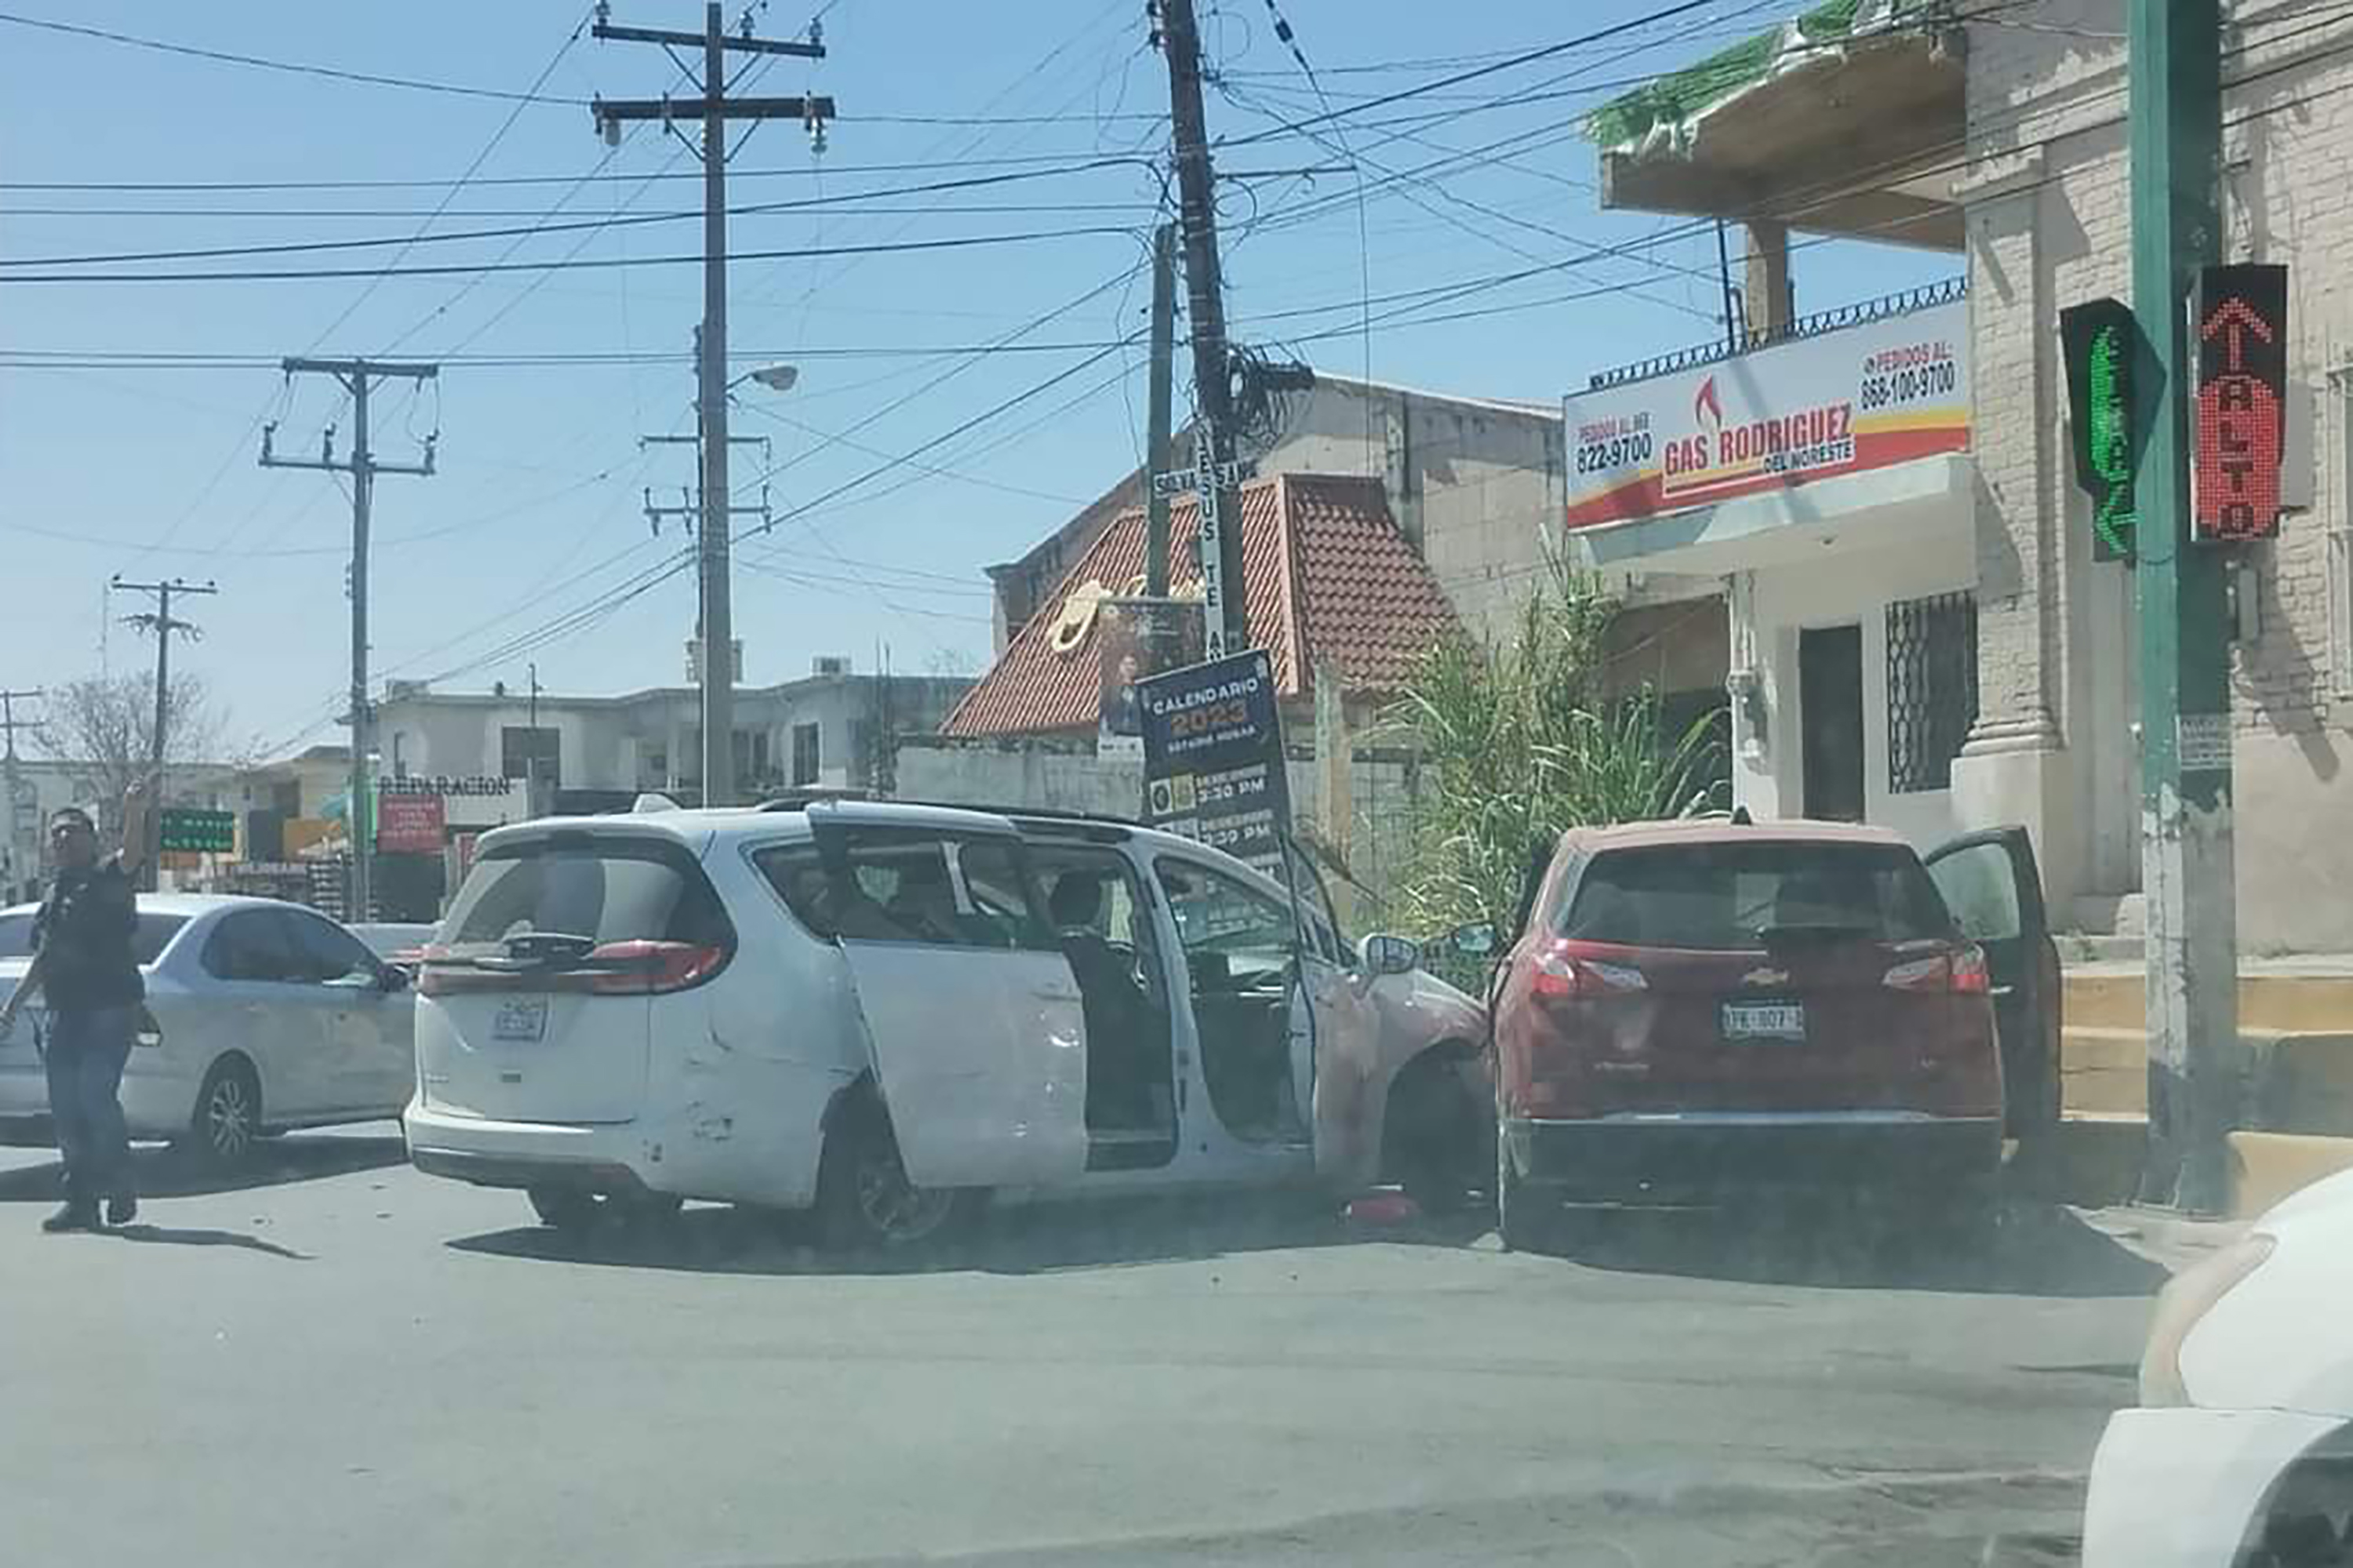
{"x":1857,"y":398}
{"x":2241,"y":438}
{"x":1133,"y":640}
{"x":1213,"y":767}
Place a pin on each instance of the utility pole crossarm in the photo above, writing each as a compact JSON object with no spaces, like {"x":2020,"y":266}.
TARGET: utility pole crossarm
{"x":802,"y":109}
{"x":381,"y":369}
{"x":742,"y":44}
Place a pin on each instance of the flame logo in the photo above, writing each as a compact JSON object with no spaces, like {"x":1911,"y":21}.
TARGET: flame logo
{"x":1705,"y":407}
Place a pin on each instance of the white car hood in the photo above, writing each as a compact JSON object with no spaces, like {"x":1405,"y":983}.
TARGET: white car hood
{"x":2278,"y":1340}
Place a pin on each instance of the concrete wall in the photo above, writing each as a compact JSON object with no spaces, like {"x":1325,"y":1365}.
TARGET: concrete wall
{"x":2049,"y":224}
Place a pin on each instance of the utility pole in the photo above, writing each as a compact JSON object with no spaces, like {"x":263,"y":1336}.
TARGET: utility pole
{"x":1223,"y":591}
{"x":14,"y":861}
{"x":1158,"y":418}
{"x":714,"y":109}
{"x":163,"y":623}
{"x":2187,"y":857}
{"x":357,"y":375}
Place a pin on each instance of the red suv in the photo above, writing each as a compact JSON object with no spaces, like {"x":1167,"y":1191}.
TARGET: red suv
{"x":1698,"y":1011}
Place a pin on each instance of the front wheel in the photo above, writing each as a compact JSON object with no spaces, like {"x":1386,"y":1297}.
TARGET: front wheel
{"x":1436,"y":1135}
{"x":864,"y":1200}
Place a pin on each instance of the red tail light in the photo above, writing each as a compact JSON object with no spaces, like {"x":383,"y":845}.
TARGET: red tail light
{"x":1953,"y":974}
{"x":615,"y":969}
{"x":1567,"y":970}
{"x":652,"y":967}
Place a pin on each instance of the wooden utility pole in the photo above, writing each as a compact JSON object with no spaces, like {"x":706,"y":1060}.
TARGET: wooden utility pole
{"x":1223,"y":586}
{"x":357,"y":377}
{"x":2187,"y":853}
{"x":716,"y":668}
{"x":13,"y":858}
{"x":163,"y":623}
{"x":1158,"y":418}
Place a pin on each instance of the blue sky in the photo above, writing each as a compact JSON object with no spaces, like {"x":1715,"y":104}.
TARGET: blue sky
{"x":536,"y":512}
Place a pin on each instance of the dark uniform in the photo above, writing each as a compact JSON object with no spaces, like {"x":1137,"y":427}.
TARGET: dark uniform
{"x":93,"y":985}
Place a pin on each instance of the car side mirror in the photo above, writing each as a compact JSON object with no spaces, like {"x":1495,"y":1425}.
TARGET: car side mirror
{"x":1476,"y":940}
{"x":392,"y":980}
{"x":1385,"y":955}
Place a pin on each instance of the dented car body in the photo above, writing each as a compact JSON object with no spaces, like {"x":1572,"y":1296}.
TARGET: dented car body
{"x":874,"y":1007}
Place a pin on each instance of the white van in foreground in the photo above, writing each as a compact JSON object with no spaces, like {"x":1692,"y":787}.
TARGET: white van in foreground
{"x":886,"y":1011}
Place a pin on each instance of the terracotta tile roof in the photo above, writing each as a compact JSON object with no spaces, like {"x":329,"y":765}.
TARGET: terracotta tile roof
{"x":1328,"y":579}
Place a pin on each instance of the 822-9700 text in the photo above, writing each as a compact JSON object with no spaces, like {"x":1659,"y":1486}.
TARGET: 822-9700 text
{"x":1617,"y":451}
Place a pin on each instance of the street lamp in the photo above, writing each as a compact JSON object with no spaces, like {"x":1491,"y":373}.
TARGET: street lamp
{"x":775,"y":377}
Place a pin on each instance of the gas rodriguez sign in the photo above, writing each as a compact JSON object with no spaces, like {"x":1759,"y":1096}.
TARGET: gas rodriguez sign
{"x":1855,"y":400}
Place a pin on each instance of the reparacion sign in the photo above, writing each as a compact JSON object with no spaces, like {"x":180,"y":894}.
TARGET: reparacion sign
{"x":1213,"y":767}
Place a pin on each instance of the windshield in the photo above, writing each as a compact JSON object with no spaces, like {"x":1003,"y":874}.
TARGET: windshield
{"x":153,"y":934}
{"x":1730,"y":895}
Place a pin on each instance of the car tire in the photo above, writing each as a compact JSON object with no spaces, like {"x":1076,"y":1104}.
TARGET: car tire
{"x":864,"y":1201}
{"x":225,"y":1123}
{"x":1435,"y":1134}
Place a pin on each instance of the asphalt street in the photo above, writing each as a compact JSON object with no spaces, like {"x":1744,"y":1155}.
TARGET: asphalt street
{"x":335,"y":1361}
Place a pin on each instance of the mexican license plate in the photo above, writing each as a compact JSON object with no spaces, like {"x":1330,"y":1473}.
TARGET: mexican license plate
{"x":523,"y":1018}
{"x":1764,"y":1021}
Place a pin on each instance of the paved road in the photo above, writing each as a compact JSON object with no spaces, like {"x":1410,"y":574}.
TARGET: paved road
{"x":339,"y":1361}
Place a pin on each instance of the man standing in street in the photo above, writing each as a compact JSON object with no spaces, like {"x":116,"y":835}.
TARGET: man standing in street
{"x":84,"y":968}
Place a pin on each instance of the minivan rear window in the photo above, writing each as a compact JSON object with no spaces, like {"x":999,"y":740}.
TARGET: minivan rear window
{"x":1720,"y":896}
{"x":605,"y":888}
{"x":154,"y":933}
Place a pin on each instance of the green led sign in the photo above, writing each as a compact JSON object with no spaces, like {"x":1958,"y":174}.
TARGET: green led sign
{"x":199,"y":832}
{"x":2099,"y":342}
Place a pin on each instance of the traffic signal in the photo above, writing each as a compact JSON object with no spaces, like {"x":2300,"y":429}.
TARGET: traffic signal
{"x":2098,"y":340}
{"x":2242,"y":410}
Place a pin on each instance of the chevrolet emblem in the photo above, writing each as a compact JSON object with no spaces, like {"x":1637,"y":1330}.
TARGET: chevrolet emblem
{"x":1767,"y":976}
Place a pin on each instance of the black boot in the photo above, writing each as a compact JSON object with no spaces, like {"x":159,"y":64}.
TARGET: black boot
{"x":79,"y":1215}
{"x":121,"y":1209}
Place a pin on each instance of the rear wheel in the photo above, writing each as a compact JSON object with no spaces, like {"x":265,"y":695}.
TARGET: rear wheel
{"x":864,"y":1200}
{"x":227,"y":1121}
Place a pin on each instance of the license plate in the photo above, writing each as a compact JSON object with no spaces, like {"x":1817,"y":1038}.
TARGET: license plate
{"x":524,"y":1018}
{"x":1764,"y":1021}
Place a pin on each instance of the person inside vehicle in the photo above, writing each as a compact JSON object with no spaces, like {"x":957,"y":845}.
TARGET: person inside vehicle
{"x":923,"y":904}
{"x":1118,"y":1013}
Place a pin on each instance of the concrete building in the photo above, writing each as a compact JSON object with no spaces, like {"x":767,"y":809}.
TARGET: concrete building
{"x":827,"y":729}
{"x":1951,"y":599}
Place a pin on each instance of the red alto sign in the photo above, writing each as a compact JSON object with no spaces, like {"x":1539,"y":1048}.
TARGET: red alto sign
{"x":2242,"y":413}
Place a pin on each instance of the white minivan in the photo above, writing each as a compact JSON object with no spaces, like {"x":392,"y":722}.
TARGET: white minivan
{"x":887,"y":1012}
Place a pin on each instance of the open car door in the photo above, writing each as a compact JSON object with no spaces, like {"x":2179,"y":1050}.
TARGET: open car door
{"x":1336,"y":1034}
{"x":1990,"y":884}
{"x":971,"y":1010}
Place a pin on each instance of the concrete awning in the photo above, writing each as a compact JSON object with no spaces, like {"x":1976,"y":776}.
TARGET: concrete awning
{"x":1847,"y":120}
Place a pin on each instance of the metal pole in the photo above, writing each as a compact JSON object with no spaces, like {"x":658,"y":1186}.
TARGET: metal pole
{"x":355,"y":808}
{"x":2187,"y":870}
{"x":150,"y":851}
{"x":1159,"y":416}
{"x":718,"y":665}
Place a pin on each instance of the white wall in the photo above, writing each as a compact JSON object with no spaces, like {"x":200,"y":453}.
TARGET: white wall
{"x":1848,"y":586}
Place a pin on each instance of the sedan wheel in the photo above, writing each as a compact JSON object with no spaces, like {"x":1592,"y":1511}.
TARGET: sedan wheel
{"x":228,"y":1118}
